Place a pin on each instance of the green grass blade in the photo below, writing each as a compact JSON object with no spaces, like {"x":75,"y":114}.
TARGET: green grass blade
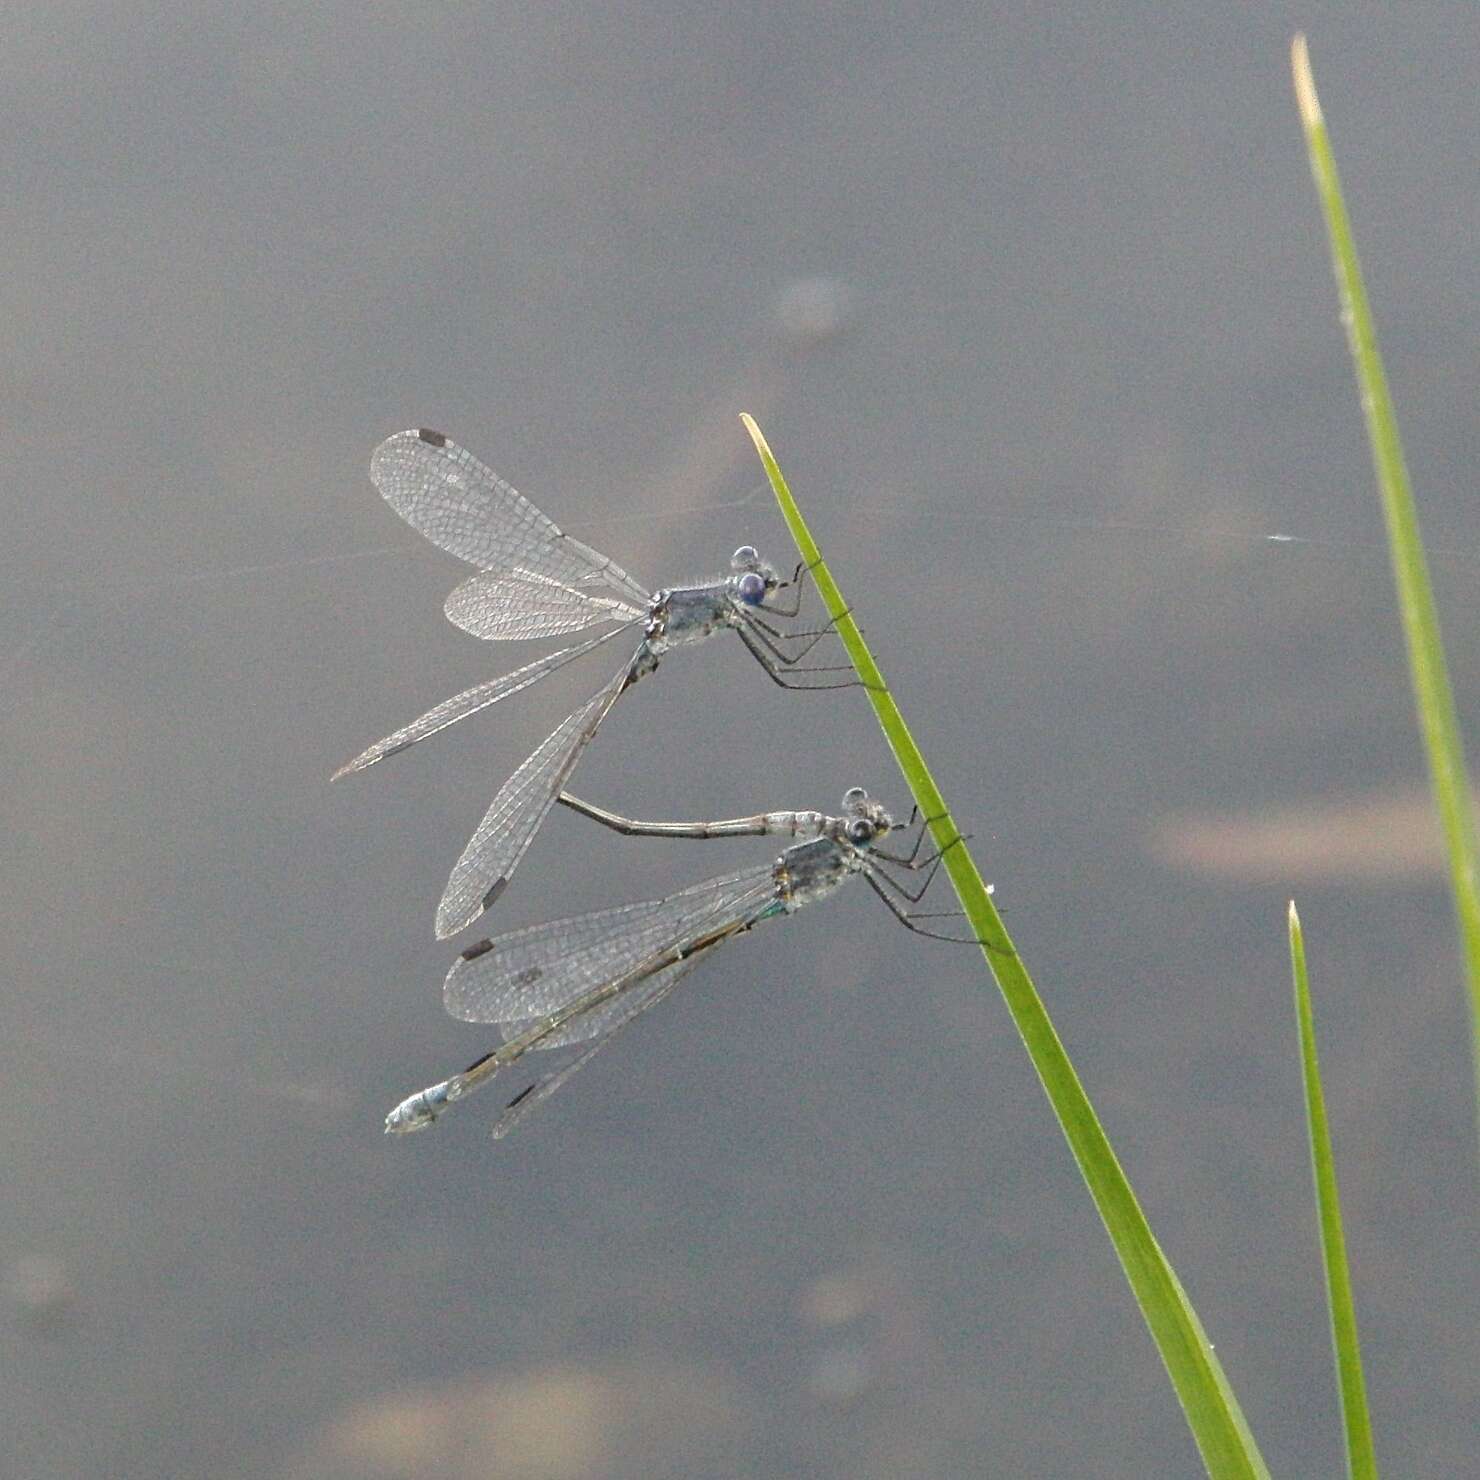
{"x":1361,"y":1460}
{"x":1436,"y":713}
{"x":1217,"y":1423}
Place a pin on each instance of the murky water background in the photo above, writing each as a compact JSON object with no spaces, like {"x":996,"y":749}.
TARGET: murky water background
{"x":1073,"y":355}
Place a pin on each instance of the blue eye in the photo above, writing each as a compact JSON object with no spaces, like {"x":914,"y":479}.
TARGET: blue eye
{"x":751,"y":588}
{"x":747,"y":557}
{"x":860,"y":830}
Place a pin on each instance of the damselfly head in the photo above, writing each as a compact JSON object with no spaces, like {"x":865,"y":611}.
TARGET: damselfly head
{"x":756,"y":576}
{"x":867,"y":818}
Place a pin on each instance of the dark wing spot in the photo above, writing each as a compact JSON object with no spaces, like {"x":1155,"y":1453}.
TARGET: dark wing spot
{"x":476,"y":1062}
{"x":498,"y":888}
{"x":523,"y":1094}
{"x":478,"y":948}
{"x":431,"y":438}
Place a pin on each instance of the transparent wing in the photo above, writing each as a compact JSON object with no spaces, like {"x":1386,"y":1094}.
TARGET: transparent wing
{"x":513,"y":818}
{"x":466,"y":509}
{"x":470,"y":701}
{"x":603,"y":1016}
{"x":633,"y":1004}
{"x":528,"y":974}
{"x":494,"y":605}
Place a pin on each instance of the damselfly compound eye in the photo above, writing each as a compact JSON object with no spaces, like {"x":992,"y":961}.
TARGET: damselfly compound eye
{"x":751,"y":588}
{"x":860,"y":830}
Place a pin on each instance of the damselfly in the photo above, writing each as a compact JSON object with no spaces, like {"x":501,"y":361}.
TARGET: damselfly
{"x":536,"y":581}
{"x":580,"y":980}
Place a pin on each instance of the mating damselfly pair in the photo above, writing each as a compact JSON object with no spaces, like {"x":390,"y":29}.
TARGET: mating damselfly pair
{"x":577,"y":981}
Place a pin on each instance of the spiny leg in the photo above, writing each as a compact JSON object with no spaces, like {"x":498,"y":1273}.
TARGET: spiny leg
{"x":794,"y":634}
{"x":759,"y":631}
{"x":812,"y":632}
{"x":783,"y":679}
{"x":908,"y":920}
{"x":932,"y":863}
{"x":798,"y":580}
{"x":908,"y":860}
{"x":915,"y":898}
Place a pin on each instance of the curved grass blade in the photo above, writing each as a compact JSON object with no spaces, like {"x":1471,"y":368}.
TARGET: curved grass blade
{"x":1218,"y":1425}
{"x":1436,"y":714}
{"x":1361,"y":1458}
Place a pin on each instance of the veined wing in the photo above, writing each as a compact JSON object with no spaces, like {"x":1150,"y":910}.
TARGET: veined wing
{"x":541,"y":970}
{"x":466,"y":509}
{"x":633,"y":1004}
{"x":514,"y":816}
{"x":470,"y":701}
{"x":493,"y":604}
{"x":586,"y":1019}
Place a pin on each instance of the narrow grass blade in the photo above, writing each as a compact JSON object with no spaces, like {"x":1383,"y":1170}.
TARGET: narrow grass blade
{"x":1361,"y":1460}
{"x":1436,"y":712}
{"x":1217,"y":1423}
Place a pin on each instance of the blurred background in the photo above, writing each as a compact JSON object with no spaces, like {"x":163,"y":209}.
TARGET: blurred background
{"x":1035,"y":309}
